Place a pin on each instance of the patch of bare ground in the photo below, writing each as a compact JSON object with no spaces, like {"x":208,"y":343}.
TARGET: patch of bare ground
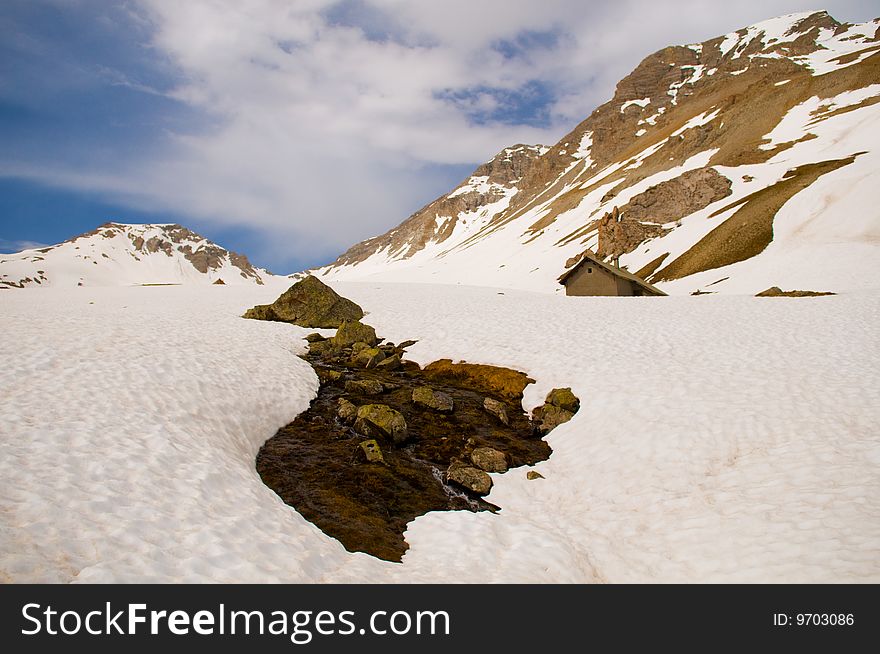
{"x":651,"y":266}
{"x":775,"y":291}
{"x":750,"y":230}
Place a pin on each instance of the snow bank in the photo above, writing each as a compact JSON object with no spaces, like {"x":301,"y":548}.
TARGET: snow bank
{"x":719,"y":439}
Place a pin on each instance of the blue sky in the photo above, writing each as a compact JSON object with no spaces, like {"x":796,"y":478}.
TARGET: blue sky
{"x":289,"y":131}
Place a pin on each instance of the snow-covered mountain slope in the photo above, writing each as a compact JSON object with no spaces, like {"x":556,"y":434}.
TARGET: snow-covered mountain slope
{"x":747,"y":161}
{"x":126,"y":255}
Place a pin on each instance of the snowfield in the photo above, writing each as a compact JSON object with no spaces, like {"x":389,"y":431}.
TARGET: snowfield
{"x":721,"y":438}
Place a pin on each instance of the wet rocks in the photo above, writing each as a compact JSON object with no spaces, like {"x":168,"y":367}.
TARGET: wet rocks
{"x":436,"y":400}
{"x":364,"y":386}
{"x":497,"y":409}
{"x":381,"y":421}
{"x":328,"y":375}
{"x":493,"y":380}
{"x":489,"y":459}
{"x":308,"y":303}
{"x":371,"y":452}
{"x":320,"y":348}
{"x":354,"y":331}
{"x":390,"y":363}
{"x":369,"y":357}
{"x":346,"y":411}
{"x":473,"y":479}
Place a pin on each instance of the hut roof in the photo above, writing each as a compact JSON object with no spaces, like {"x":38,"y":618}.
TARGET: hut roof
{"x":589,"y":256}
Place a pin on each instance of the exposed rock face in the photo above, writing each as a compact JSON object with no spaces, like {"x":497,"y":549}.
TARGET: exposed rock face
{"x":622,"y":230}
{"x":308,"y":303}
{"x":679,"y":197}
{"x":489,"y":459}
{"x":686,"y":117}
{"x":119,"y":254}
{"x":490,"y":182}
{"x":436,"y":400}
{"x":381,"y":421}
{"x":473,"y":479}
{"x":619,"y":235}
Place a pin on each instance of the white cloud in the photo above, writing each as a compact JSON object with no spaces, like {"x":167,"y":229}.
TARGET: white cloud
{"x":319,"y":132}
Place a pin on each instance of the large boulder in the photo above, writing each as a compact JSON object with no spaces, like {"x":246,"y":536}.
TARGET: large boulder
{"x":489,"y":459}
{"x":381,"y":421}
{"x":492,"y":380}
{"x":308,"y":303}
{"x":428,"y":397}
{"x":354,"y":331}
{"x":473,"y":479}
{"x":564,"y":399}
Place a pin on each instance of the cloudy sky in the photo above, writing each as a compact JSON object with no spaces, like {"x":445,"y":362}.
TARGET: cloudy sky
{"x":291,"y":129}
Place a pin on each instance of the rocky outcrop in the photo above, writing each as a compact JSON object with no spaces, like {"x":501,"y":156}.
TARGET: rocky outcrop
{"x":679,"y":197}
{"x":619,"y":235}
{"x":713,"y":102}
{"x":489,"y":183}
{"x":308,"y":303}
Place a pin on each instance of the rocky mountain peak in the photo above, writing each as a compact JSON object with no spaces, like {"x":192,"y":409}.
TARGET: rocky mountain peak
{"x":683,"y":172}
{"x":117,"y":253}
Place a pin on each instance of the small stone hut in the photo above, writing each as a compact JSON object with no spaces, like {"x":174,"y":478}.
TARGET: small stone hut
{"x":592,"y":276}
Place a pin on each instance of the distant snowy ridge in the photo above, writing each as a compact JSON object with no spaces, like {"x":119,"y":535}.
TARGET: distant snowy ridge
{"x":116,"y":254}
{"x":747,"y":161}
